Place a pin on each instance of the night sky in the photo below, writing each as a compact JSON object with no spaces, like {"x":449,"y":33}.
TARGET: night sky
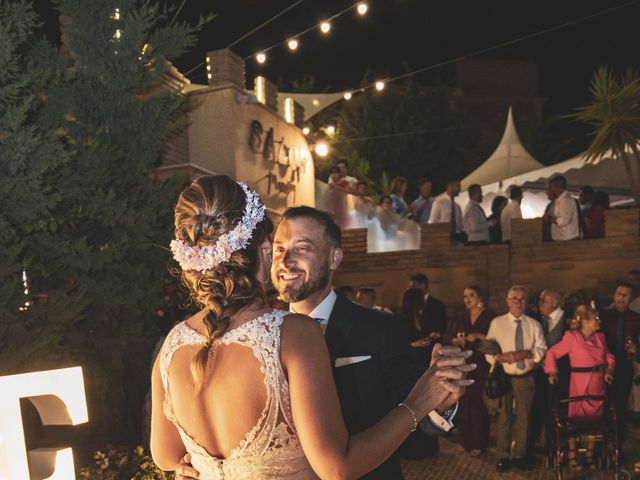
{"x":400,"y":35}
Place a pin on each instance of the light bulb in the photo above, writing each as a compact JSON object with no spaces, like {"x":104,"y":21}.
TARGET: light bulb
{"x":362,"y":8}
{"x":347,"y":95}
{"x":209,"y":76}
{"x":306,"y":130}
{"x":261,"y":57}
{"x":322,"y":149}
{"x":325,"y":27}
{"x":331,"y":129}
{"x":293,"y":44}
{"x":208,"y":68}
{"x":379,"y":85}
{"x":315,"y":102}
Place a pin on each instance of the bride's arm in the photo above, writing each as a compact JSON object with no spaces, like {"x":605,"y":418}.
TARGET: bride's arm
{"x":316,"y":408}
{"x":167,"y":448}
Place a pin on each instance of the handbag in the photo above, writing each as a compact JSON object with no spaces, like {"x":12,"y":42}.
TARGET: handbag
{"x":498,"y":383}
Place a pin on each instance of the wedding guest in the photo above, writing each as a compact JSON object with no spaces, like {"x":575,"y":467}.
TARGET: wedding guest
{"x":421,"y":206}
{"x":621,"y":328}
{"x":511,"y":211}
{"x":386,"y":203}
{"x":343,"y":169}
{"x":495,"y":226}
{"x":398,"y":189}
{"x":467,"y":333}
{"x":594,"y":222}
{"x":337,"y":197}
{"x":474,"y":219}
{"x":411,"y":311}
{"x":366,"y":297}
{"x":446,"y":210}
{"x":586,"y":197}
{"x":552,"y":319}
{"x":592,"y":368}
{"x":347,"y":291}
{"x":564,"y":216}
{"x":522,"y":344}
{"x":433,"y":319}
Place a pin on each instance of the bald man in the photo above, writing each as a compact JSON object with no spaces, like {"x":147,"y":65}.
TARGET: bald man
{"x":553,"y":326}
{"x":552,"y":316}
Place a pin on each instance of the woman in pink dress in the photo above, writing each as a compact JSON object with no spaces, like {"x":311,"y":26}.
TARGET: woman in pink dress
{"x":591,"y":369}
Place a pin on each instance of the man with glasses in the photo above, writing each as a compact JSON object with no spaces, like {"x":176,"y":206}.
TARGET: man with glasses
{"x":523,"y":346}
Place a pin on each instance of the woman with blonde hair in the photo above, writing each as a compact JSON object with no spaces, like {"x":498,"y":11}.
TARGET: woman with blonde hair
{"x":247,"y":390}
{"x":397,"y":191}
{"x":591,"y":369}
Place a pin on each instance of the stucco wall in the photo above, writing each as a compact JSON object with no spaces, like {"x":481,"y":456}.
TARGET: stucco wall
{"x":219,"y":131}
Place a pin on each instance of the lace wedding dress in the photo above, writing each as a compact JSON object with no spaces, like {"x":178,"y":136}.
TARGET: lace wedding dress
{"x":271,"y":449}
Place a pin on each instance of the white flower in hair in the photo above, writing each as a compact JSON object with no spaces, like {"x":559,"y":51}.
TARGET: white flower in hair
{"x":205,"y":258}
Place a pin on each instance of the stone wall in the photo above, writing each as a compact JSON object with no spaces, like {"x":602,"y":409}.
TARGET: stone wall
{"x":565,"y":266}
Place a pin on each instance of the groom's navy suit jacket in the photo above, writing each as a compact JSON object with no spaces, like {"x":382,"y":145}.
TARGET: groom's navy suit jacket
{"x":369,"y":389}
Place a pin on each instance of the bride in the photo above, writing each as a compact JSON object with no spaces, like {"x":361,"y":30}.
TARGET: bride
{"x":248,"y":391}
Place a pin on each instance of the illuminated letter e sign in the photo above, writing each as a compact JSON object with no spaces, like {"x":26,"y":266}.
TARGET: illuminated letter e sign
{"x":59,"y":398}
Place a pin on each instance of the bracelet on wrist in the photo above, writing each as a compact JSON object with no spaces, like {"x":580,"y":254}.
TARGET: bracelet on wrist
{"x":413,"y":415}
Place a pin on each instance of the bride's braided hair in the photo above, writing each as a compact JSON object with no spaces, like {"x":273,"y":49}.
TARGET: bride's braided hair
{"x":212,"y":206}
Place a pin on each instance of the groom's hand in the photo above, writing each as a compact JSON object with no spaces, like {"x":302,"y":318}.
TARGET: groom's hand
{"x":185,"y":471}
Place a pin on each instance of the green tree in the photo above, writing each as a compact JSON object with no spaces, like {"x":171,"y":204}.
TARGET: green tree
{"x":29,"y":154}
{"x":614,"y":112}
{"x":94,"y":237}
{"x":408,"y":130}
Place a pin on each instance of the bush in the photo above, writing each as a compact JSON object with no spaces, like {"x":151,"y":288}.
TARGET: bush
{"x":123,"y":464}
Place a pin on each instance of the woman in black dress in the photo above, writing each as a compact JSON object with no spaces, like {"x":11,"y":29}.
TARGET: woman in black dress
{"x":467,"y":332}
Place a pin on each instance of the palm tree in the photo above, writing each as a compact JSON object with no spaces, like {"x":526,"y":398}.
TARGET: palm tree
{"x":615,"y":114}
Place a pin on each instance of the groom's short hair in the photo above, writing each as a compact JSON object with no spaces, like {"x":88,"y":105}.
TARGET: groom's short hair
{"x":332,"y":233}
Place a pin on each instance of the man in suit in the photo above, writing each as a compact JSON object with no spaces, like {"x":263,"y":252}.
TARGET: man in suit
{"x":433,"y":320}
{"x":373,"y":364}
{"x":553,"y":326}
{"x":621,"y":327}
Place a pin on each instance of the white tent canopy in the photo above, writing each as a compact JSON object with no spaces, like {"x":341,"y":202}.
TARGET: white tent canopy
{"x":604,"y":173}
{"x":509,"y":159}
{"x":311,"y":102}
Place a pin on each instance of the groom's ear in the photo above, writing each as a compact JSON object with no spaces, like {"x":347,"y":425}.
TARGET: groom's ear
{"x":335,"y":258}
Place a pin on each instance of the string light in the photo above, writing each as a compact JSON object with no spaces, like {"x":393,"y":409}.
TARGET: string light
{"x":347,"y":95}
{"x":315,"y":102}
{"x":118,"y":34}
{"x":292,"y":44}
{"x":25,"y":285}
{"x":331,"y":130}
{"x":325,"y":27}
{"x":362,"y":8}
{"x":116,"y":14}
{"x":261,"y":57}
{"x":306,"y":130}
{"x":322,"y":149}
{"x":379,"y":85}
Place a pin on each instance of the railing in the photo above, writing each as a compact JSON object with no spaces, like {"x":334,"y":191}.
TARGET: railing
{"x":386,"y":231}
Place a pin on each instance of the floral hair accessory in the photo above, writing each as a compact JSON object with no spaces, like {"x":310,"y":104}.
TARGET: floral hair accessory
{"x":205,"y":258}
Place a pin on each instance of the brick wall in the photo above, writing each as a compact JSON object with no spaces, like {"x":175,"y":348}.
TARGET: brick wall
{"x":564,"y":266}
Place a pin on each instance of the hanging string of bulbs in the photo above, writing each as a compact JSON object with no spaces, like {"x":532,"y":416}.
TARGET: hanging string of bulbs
{"x":324,"y":26}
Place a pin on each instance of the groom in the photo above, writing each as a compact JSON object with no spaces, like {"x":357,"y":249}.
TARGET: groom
{"x":373,"y":364}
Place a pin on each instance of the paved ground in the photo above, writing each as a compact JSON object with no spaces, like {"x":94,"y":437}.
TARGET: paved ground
{"x":453,"y":463}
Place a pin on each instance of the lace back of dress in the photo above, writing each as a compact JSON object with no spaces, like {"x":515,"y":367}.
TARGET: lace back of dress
{"x":272,"y":444}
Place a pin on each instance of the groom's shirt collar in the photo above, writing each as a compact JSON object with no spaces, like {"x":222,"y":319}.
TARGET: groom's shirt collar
{"x":324,"y":308}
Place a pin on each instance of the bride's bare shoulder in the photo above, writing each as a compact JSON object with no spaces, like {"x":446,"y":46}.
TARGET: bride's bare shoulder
{"x":297,"y":327}
{"x":195,"y":322}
